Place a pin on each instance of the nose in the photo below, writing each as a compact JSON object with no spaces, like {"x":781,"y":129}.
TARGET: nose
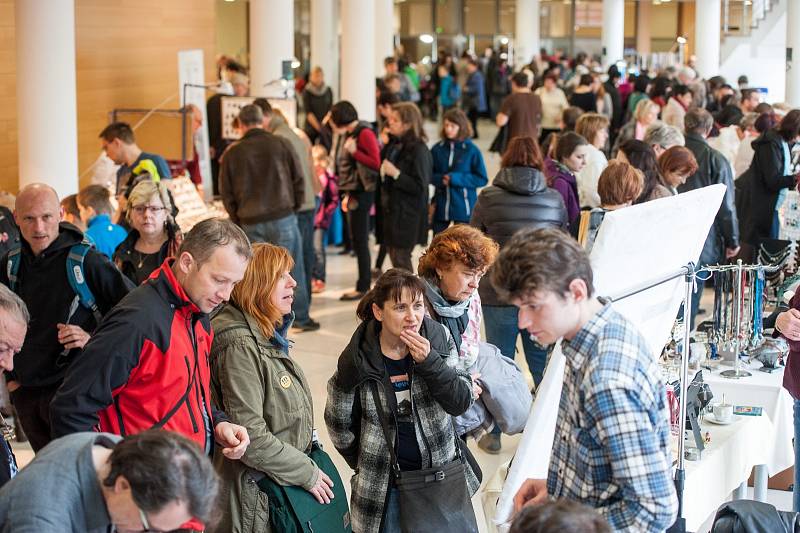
{"x":7,"y":362}
{"x":291,"y":283}
{"x":523,"y":320}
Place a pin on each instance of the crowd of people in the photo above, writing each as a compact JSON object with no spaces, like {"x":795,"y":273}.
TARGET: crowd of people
{"x":152,"y":371}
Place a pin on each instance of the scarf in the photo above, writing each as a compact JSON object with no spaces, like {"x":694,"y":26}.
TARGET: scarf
{"x":454,"y":317}
{"x":279,"y":339}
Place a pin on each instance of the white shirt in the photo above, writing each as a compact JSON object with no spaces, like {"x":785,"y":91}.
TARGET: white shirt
{"x":587,"y":178}
{"x":553,"y":104}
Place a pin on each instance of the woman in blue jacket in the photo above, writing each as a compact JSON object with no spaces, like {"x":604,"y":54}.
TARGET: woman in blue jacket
{"x":458,"y":170}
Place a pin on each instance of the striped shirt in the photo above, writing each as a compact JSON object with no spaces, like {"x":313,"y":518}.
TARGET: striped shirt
{"x":611,"y":449}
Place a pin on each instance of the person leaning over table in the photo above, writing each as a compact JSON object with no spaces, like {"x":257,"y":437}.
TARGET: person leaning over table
{"x":787,"y":324}
{"x":259,"y":386}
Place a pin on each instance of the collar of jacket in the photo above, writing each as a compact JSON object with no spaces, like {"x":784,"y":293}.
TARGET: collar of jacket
{"x":126,"y":247}
{"x":100,"y":220}
{"x":521,"y":180}
{"x":362,"y":359}
{"x":253,"y":132}
{"x":163,"y":280}
{"x":695,"y":137}
{"x":68,"y":236}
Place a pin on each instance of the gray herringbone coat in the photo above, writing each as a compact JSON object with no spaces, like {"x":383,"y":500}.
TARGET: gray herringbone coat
{"x":438,"y":391}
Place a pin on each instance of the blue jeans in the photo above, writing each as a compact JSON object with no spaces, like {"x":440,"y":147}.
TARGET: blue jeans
{"x":285,"y":232}
{"x":796,"y":489}
{"x":391,"y":515}
{"x":502,"y":329}
{"x":305,"y":223}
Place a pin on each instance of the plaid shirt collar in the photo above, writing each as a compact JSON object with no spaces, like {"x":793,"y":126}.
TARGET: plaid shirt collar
{"x":579,"y":347}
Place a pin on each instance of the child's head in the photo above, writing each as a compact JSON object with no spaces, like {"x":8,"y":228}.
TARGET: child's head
{"x":320,"y":156}
{"x":559,"y":516}
{"x":94,"y":200}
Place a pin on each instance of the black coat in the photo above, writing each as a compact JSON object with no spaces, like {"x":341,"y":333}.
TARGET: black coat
{"x":758,"y":188}
{"x":404,"y":200}
{"x":518,"y":198}
{"x":713,"y":168}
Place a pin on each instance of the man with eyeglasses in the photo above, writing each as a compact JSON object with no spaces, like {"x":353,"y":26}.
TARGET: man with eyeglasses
{"x":63,"y":324}
{"x":100,"y":483}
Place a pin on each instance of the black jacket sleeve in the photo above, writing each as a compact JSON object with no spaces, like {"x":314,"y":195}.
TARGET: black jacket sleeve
{"x":447,"y":387}
{"x":107,"y":283}
{"x":226,"y":188}
{"x":104,"y":366}
{"x":770,"y":168}
{"x":415,"y":176}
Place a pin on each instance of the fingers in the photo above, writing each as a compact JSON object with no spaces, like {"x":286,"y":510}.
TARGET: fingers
{"x":324,"y":477}
{"x":795,"y":313}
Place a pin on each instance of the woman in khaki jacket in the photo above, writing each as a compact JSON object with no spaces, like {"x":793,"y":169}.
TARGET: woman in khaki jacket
{"x":262,"y":388}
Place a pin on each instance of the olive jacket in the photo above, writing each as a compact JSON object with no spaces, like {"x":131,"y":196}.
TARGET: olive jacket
{"x":265,"y":391}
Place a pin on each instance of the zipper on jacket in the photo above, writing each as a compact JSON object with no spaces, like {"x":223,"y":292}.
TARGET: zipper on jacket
{"x":119,"y":416}
{"x":449,"y":167}
{"x":466,"y":201}
{"x":186,"y":400}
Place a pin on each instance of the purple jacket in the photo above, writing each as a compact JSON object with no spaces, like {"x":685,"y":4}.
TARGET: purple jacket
{"x":791,"y":374}
{"x":561,"y":179}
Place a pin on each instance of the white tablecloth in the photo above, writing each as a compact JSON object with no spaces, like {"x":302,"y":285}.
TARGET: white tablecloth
{"x":764,"y":390}
{"x":726,"y":462}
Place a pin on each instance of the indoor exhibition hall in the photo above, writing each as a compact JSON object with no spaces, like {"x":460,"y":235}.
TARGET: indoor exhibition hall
{"x":399,"y":266}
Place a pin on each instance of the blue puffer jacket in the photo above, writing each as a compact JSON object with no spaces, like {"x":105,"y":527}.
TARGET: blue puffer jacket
{"x":463,"y":162}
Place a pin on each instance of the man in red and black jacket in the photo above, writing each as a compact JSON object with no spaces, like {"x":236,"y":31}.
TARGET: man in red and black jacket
{"x":147,"y":364}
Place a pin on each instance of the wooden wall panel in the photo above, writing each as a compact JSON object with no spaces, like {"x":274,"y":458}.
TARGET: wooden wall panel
{"x":127,"y":57}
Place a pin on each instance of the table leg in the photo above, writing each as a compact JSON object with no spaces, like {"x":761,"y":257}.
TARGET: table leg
{"x":741,"y":492}
{"x":760,"y":481}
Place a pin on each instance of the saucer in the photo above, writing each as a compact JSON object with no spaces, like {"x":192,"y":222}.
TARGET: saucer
{"x":713,"y":419}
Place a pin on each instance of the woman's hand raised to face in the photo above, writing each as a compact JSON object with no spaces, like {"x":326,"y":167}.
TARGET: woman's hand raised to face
{"x":418,"y":346}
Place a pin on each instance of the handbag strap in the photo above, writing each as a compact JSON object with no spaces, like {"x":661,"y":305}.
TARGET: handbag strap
{"x":385,"y":427}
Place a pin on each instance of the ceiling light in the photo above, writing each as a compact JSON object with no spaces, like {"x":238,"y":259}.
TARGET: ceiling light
{"x":426,"y":38}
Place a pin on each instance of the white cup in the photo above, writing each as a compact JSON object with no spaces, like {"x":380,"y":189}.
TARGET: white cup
{"x":723,"y":412}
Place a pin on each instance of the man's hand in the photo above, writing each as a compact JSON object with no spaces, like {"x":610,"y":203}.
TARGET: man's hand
{"x":418,"y":346}
{"x":233,"y":439}
{"x":322,"y":488}
{"x":732,"y":252}
{"x":446,"y":179}
{"x":788,"y":323}
{"x":389,"y":169}
{"x":72,"y":336}
{"x":532,"y":492}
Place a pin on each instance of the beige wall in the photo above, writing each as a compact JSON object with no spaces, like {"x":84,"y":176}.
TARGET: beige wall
{"x":232,"y":30}
{"x":126,"y":57}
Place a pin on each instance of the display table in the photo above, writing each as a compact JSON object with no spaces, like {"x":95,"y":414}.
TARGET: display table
{"x":725,"y":464}
{"x":766,"y":391}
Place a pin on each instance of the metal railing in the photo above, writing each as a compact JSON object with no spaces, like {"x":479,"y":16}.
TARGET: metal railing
{"x":740,"y":17}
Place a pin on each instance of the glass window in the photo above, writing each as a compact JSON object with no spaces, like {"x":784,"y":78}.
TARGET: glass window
{"x":480,"y":17}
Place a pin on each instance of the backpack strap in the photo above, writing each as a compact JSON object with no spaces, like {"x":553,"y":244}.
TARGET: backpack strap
{"x":77,"y":279}
{"x":12,"y":267}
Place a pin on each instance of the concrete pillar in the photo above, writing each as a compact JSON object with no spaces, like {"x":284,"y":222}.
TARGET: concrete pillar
{"x":384,"y":33}
{"x":613,"y":34}
{"x":707,"y":37}
{"x":358,"y":45}
{"x":325,"y":41}
{"x":47,"y":118}
{"x":793,"y":44}
{"x":271,"y":42}
{"x":643,"y":21}
{"x":526,"y":36}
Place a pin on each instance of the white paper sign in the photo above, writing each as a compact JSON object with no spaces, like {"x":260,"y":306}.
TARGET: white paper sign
{"x":191,"y":71}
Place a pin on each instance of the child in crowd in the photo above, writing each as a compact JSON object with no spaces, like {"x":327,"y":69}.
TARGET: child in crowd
{"x":328,"y":202}
{"x":561,"y":515}
{"x":94,"y":205}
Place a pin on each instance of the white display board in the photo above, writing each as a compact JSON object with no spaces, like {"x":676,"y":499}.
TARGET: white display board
{"x":634,"y":245}
{"x":231,"y":105}
{"x":191,"y":70}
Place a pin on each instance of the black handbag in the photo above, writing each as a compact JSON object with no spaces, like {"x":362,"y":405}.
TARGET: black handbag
{"x":432,"y":500}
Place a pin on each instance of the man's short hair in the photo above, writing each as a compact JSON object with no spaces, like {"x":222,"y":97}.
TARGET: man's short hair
{"x":387,"y":98}
{"x":251,"y":115}
{"x":389,"y":61}
{"x":163,"y":467}
{"x":343,"y":113}
{"x":97,"y":197}
{"x":698,"y":120}
{"x":264,"y":105}
{"x":13,"y":305}
{"x":664,"y":135}
{"x":118,"y":130}
{"x":208,"y":235}
{"x":561,"y":515}
{"x":70,"y":205}
{"x":546,"y":259}
{"x":680,"y":90}
{"x":520,"y":79}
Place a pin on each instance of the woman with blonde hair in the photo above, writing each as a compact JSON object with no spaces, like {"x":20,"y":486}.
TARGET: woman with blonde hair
{"x":594,"y":128}
{"x":645,"y":114}
{"x":262,"y":388}
{"x":154,"y":235}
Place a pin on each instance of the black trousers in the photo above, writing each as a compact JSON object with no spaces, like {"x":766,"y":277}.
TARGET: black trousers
{"x":33,"y":409}
{"x":401,"y":257}
{"x":358,"y":222}
{"x":472,"y":115}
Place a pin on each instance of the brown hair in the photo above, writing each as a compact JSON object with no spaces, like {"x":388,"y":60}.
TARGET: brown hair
{"x":458,"y":244}
{"x":589,"y":124}
{"x":459,"y":118}
{"x":253,"y":294}
{"x":70,"y":205}
{"x":118,"y":130}
{"x":213,"y":233}
{"x":409,"y":115}
{"x":97,"y":197}
{"x":522,"y":152}
{"x":677,"y":160}
{"x":145,"y":191}
{"x":389,"y":286}
{"x":560,"y":515}
{"x":545,"y":259}
{"x":566,"y":144}
{"x":619,"y":183}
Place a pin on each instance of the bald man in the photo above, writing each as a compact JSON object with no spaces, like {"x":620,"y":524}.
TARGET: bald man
{"x":59,"y":329}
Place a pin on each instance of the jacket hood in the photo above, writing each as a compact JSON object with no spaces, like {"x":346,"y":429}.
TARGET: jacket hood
{"x":521,"y":180}
{"x":768,"y":137}
{"x":68,"y":236}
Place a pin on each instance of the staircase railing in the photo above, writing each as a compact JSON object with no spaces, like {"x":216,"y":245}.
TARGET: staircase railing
{"x":741,"y":17}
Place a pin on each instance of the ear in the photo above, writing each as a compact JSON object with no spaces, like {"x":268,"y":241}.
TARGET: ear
{"x":61,"y":213}
{"x":439,"y":273}
{"x":121,"y":484}
{"x":578,"y":290}
{"x":185,"y":262}
{"x":377,"y":312}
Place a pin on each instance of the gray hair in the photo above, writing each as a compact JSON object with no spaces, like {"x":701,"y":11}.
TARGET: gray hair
{"x":663,"y":135}
{"x":211,"y":234}
{"x":13,"y":305}
{"x":748,"y":121}
{"x":698,"y":121}
{"x":251,"y":115}
{"x":687,"y":73}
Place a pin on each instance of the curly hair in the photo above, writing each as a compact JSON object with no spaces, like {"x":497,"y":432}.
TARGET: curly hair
{"x":458,"y":244}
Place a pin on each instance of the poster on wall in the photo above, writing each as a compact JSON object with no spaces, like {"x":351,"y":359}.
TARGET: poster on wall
{"x":191,"y":71}
{"x":231,"y":105}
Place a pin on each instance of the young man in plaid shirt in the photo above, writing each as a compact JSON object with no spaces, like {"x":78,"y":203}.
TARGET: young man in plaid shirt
{"x":611,"y":447}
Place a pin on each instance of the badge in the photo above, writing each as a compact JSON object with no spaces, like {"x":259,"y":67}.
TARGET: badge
{"x":286,"y":381}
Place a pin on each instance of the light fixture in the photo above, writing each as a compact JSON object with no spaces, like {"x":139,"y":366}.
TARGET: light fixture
{"x":503,"y":40}
{"x":681,"y":40}
{"x":426,"y":38}
{"x":295,"y":62}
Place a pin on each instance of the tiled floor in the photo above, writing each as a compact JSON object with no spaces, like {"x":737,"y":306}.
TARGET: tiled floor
{"x":317,"y":352}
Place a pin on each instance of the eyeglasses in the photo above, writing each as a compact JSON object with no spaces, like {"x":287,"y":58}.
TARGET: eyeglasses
{"x":142,"y":209}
